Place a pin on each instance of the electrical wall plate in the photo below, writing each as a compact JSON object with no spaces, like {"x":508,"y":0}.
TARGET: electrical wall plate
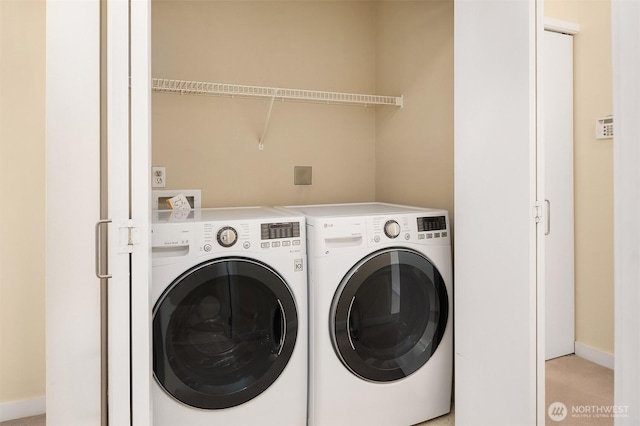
{"x":158,"y":177}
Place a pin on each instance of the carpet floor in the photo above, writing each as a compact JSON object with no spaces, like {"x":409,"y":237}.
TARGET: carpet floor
{"x":579,"y":392}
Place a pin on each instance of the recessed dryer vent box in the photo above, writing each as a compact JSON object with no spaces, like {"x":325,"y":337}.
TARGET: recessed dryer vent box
{"x":302,"y":175}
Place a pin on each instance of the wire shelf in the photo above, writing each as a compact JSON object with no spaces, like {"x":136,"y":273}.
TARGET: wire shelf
{"x":185,"y":87}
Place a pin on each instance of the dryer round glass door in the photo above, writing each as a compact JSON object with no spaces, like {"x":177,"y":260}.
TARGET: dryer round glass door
{"x":389,"y":315}
{"x":223,"y":332}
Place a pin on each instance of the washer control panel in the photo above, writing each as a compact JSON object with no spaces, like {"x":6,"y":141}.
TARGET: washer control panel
{"x":251,"y":236}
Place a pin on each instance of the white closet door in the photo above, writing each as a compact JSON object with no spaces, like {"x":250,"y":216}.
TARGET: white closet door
{"x":73,"y":206}
{"x":140,"y":172}
{"x":74,"y":349}
{"x":559,"y":239}
{"x":129,"y":201}
{"x":625,"y":16}
{"x":496,"y":353}
{"x":119,"y":302}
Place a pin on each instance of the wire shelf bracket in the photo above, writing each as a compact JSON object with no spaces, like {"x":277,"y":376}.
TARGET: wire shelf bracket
{"x":187,"y":87}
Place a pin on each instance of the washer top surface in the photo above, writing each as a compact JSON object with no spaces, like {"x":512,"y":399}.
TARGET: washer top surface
{"x":218,"y":214}
{"x":357,"y":209}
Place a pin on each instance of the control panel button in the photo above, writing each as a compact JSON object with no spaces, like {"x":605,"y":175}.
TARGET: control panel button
{"x":444,"y":234}
{"x":436,"y":235}
{"x":376,"y":238}
{"x":407,"y":237}
{"x":421,"y":236}
{"x":246,"y":244}
{"x":265,"y":245}
{"x":207,"y":247}
{"x":286,"y":243}
{"x":392,"y":229}
{"x":296,"y":242}
{"x":429,"y":236}
{"x":275,"y":244}
{"x":227,"y":236}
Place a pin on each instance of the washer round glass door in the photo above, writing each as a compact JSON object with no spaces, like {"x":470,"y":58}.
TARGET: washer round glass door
{"x":223,"y":332}
{"x":389,"y":315}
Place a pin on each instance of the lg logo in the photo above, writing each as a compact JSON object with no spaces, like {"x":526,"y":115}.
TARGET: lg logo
{"x":557,"y":411}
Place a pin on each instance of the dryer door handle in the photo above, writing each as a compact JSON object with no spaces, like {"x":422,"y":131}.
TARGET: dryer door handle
{"x":98,"y":250}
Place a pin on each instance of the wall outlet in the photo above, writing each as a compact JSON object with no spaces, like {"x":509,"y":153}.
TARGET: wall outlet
{"x":158,"y":177}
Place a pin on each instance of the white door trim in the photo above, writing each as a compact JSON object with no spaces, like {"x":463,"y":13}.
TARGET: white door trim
{"x":559,"y":26}
{"x":625,"y":16}
{"x":141,"y":344}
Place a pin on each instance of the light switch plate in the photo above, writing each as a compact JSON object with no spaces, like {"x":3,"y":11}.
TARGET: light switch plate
{"x":302,"y":175}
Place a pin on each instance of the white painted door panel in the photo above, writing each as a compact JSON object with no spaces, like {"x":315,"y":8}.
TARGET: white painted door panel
{"x":74,"y":350}
{"x":495,"y":231}
{"x":141,"y":212}
{"x":119,"y":325}
{"x":559,"y":239}
{"x":128,"y":117}
{"x":625,"y":16}
{"x":73,"y":361}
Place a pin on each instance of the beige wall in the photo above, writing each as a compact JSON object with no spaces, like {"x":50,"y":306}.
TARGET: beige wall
{"x":357,"y":154}
{"x":414,"y":146}
{"x":593,"y":170}
{"x":211,"y":143}
{"x":22,"y":162}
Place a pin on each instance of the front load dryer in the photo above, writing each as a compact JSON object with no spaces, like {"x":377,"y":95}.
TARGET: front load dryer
{"x":229,"y":297}
{"x":380,"y":306}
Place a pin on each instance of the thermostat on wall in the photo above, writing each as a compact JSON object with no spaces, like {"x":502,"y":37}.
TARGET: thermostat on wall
{"x":604,"y":127}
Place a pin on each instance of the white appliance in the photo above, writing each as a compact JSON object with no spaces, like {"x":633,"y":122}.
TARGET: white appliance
{"x":380,"y":306}
{"x":229,"y":296}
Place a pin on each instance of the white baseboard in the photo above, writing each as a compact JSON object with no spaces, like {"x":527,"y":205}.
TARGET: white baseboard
{"x":594,"y":355}
{"x":24,"y":408}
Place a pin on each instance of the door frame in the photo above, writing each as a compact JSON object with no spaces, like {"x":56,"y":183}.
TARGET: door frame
{"x":140,"y":186}
{"x":626,"y":151}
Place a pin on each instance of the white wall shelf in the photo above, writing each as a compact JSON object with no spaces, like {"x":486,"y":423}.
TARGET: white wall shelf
{"x":186,"y":87}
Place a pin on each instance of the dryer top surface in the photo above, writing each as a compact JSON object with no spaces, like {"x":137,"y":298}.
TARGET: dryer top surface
{"x":219,"y":214}
{"x":359,"y":209}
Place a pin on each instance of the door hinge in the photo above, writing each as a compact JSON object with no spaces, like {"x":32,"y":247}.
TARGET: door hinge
{"x":129,"y":236}
{"x":538,"y":212}
{"x":133,"y":234}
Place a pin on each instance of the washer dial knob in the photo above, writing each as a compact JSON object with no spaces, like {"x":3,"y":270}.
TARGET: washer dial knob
{"x":227,"y":236}
{"x":391,"y":229}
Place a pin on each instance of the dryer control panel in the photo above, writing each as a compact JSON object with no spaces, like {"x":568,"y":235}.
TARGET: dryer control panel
{"x":422,"y":229}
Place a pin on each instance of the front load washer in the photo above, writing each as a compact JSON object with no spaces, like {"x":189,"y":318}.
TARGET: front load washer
{"x":229,"y":297}
{"x":380,"y":312}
